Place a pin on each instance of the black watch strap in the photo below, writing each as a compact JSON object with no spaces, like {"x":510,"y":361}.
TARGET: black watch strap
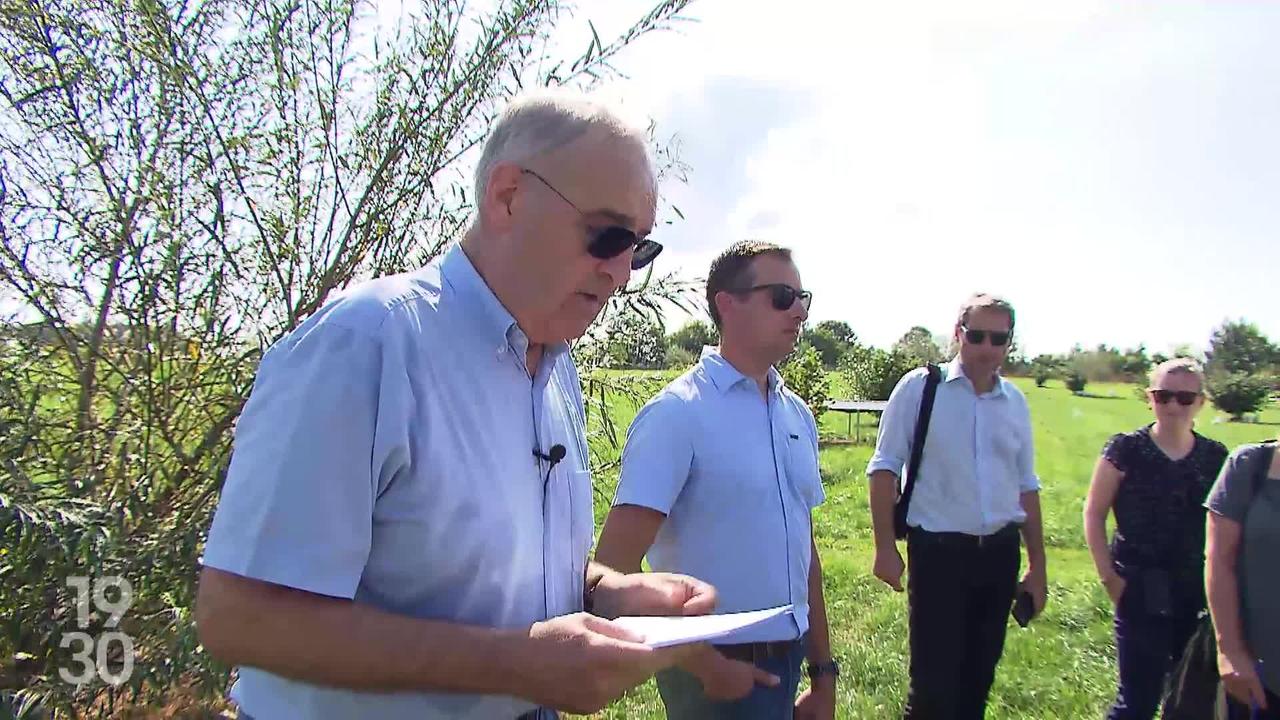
{"x":826,"y":669}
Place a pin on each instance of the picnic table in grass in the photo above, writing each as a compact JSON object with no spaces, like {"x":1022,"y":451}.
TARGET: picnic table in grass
{"x":855,"y":408}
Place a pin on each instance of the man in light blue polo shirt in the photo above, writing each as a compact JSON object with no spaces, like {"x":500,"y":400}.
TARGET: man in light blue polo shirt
{"x":405,"y":524}
{"x":976,"y":493}
{"x":719,"y":478}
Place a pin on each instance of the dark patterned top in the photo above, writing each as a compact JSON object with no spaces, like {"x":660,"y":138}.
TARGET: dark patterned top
{"x":1159,"y":506}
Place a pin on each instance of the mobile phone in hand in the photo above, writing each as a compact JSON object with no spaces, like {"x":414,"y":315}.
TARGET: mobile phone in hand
{"x":1024,"y":608}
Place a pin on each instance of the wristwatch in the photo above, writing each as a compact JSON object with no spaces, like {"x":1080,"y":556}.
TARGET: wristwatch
{"x":817,"y":670}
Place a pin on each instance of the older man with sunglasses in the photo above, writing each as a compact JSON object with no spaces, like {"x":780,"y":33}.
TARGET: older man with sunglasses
{"x":719,"y":478}
{"x":976,"y":492}
{"x":406,"y":520}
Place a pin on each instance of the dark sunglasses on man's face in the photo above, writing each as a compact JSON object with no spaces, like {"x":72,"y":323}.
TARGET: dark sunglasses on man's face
{"x":610,"y":242}
{"x":1184,"y":397}
{"x":782,"y":296}
{"x":977,"y":337}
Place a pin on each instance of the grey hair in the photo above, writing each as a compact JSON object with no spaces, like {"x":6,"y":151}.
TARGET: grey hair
{"x":542,"y":121}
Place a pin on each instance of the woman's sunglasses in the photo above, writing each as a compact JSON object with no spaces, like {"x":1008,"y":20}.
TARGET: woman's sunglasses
{"x":781,"y":295}
{"x":977,"y":337}
{"x":610,"y":242}
{"x":1164,"y":397}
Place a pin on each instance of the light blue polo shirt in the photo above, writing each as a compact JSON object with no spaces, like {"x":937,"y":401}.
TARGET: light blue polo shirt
{"x":386,"y":455}
{"x":736,"y":473}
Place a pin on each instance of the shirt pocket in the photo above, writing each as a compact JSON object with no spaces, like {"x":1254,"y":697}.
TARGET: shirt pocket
{"x":802,"y":470}
{"x":1007,"y":438}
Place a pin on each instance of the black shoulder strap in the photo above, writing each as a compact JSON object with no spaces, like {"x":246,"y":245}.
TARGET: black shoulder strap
{"x":1264,"y":468}
{"x":922,"y":431}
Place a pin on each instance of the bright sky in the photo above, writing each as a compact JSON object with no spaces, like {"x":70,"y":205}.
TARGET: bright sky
{"x":1112,"y":168}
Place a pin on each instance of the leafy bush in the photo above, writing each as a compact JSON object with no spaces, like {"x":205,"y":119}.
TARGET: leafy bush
{"x":693,"y":337}
{"x":679,"y":358}
{"x":1041,"y":375}
{"x":1076,"y":380}
{"x":161,"y":240}
{"x":1237,"y":393}
{"x":872,"y":373}
{"x":805,"y":376}
{"x":1044,"y":367}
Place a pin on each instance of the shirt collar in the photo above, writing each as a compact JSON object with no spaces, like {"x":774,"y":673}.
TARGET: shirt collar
{"x":725,"y":376}
{"x":954,"y":370}
{"x":491,"y":318}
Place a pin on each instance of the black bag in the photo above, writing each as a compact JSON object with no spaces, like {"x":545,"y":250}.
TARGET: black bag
{"x":1193,"y":689}
{"x":917,"y":450}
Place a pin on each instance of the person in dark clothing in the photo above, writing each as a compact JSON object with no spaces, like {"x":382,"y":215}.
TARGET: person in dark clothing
{"x":1242,"y":582}
{"x":1155,"y":481}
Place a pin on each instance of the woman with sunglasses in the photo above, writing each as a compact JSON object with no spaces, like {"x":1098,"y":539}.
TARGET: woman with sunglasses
{"x":1155,"y":480}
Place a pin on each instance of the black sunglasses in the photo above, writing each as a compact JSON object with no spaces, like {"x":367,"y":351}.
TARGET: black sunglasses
{"x":977,"y":337}
{"x":782,"y":296}
{"x":610,"y":242}
{"x":1164,"y":397}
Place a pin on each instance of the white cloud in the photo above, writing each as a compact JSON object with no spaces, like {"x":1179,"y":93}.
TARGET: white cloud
{"x":1110,"y":167}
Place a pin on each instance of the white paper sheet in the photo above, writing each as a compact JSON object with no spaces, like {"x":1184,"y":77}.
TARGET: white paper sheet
{"x":664,"y":631}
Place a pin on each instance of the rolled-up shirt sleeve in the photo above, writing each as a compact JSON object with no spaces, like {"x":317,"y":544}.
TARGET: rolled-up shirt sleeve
{"x":1028,"y":481}
{"x":897,"y":424}
{"x":657,"y":456}
{"x":819,"y":494}
{"x":297,"y":505}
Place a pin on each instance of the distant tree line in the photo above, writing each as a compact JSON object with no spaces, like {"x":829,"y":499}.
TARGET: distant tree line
{"x":1242,"y":364}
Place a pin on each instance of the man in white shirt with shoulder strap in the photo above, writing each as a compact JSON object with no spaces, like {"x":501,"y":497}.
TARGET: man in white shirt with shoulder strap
{"x":977,"y":491}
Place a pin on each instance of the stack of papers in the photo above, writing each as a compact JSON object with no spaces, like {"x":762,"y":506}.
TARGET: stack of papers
{"x":663,"y":631}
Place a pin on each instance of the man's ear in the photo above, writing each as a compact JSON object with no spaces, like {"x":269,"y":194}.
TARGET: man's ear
{"x":723,"y":300}
{"x":495,"y":207}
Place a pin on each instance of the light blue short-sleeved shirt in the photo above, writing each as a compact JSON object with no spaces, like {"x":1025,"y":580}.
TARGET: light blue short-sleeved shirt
{"x":978,"y":457}
{"x":385,"y":455}
{"x":736,"y":474}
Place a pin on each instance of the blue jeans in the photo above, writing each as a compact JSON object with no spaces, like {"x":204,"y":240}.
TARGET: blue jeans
{"x":682,"y":692}
{"x":1147,"y":648}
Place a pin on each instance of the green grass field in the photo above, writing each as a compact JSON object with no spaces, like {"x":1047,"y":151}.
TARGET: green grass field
{"x":1060,"y":667}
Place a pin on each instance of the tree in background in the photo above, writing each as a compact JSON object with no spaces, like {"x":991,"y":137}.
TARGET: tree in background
{"x":635,"y":341}
{"x":1044,"y":367}
{"x":180,"y":185}
{"x":832,"y":339}
{"x":839,"y":331}
{"x":1135,"y":364}
{"x":872,"y":373}
{"x":1240,"y":347}
{"x":918,"y":343}
{"x":1240,"y":366}
{"x":1237,"y":393}
{"x":1187,"y":350}
{"x":1076,"y":379}
{"x":1016,"y":363}
{"x":694,"y":336}
{"x":805,"y":375}
{"x":1108,"y":364}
